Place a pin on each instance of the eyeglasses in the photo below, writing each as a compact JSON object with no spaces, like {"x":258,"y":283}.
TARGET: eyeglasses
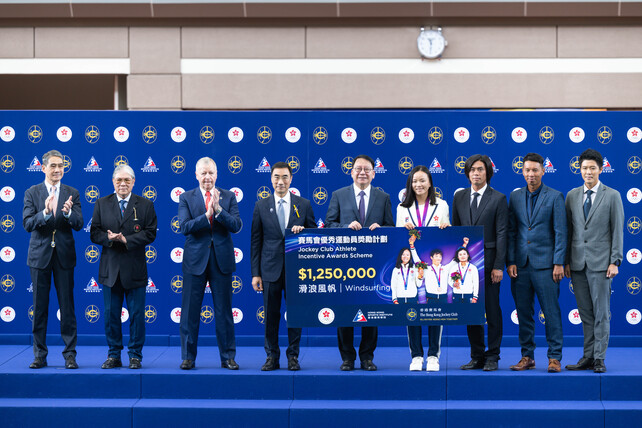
{"x":359,"y":169}
{"x":121,"y":180}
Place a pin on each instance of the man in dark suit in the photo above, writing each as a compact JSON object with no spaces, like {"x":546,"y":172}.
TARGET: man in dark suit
{"x":270,"y":219}
{"x":207,"y":215}
{"x":481,"y":205}
{"x":595,"y":250}
{"x":356,"y":206}
{"x":51,"y":210}
{"x":536,"y":250}
{"x":123,"y":223}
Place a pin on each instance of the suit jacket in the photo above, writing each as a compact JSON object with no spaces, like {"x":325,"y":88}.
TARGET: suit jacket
{"x":597,"y":241}
{"x":343,"y":208}
{"x":138,"y":225}
{"x":268,"y":243}
{"x":200,"y":236}
{"x":42,"y":231}
{"x":492,"y":213}
{"x":540,"y":240}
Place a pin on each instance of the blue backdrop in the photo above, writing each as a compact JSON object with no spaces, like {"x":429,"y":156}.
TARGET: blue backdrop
{"x":162,"y":148}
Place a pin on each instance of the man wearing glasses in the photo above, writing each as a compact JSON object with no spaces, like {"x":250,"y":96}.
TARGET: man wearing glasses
{"x":357,"y":206}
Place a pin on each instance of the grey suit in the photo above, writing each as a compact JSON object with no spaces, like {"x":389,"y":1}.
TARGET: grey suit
{"x":594,"y":244}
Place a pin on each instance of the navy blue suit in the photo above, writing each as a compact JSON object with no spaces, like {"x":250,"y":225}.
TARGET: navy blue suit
{"x":208,"y":255}
{"x":536,"y":242}
{"x":123,"y":267}
{"x":43,"y":260}
{"x":268,"y":262}
{"x":342,"y":211}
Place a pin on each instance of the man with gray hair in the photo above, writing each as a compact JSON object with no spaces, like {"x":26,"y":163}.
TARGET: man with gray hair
{"x":123,"y":223}
{"x":207,"y":215}
{"x":51,"y":211}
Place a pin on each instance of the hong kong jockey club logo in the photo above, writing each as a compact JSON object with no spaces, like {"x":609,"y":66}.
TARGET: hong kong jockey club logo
{"x":176,"y":284}
{"x":92,"y":313}
{"x":34,"y":134}
{"x":488,"y":135}
{"x":405,"y":165}
{"x":207,"y":314}
{"x":294,"y":163}
{"x":235,"y":164}
{"x":264,"y":135}
{"x":7,"y":283}
{"x":7,"y":223}
{"x":634,"y":164}
{"x":150,"y":314}
{"x":346,"y":164}
{"x":175,"y":225}
{"x":320,"y":195}
{"x":411,"y":314}
{"x":92,"y":134}
{"x":320,"y":135}
{"x":92,"y":194}
{"x":378,"y":135}
{"x":120,"y":160}
{"x":149,"y":134}
{"x":177,"y":164}
{"x":7,"y":164}
{"x":149,"y":192}
{"x":150,"y":254}
{"x":237,"y":284}
{"x":518,"y":164}
{"x":92,"y":254}
{"x":546,"y":135}
{"x":263,"y":192}
{"x":633,"y":225}
{"x":604,"y":135}
{"x":574,"y":165}
{"x":633,"y":285}
{"x":460,"y":163}
{"x":260,"y":314}
{"x":206,"y":134}
{"x":435,"y":135}
{"x":66,"y":162}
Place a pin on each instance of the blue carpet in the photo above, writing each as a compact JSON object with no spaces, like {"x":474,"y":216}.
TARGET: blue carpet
{"x":320,"y":395}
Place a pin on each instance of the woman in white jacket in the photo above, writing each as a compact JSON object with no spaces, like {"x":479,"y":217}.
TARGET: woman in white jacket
{"x":466,"y":286}
{"x":422,"y":208}
{"x":404,"y":279}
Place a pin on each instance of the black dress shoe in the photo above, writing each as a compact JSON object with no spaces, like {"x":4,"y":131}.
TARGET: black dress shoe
{"x":229,"y":364}
{"x":187,"y":365}
{"x":70,"y":362}
{"x":270,"y":364}
{"x":490,"y":366}
{"x":599,"y":367}
{"x":347,"y":366}
{"x":293,"y":364}
{"x":368,"y":365}
{"x":134,"y":363}
{"x":583,"y":364}
{"x":38,"y":363}
{"x":111,"y":363}
{"x":473,"y":365}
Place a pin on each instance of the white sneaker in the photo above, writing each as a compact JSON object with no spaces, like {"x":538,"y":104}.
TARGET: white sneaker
{"x":432,"y":364}
{"x":417,"y":364}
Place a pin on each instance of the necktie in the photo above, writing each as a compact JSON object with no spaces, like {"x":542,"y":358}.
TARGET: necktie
{"x":122,"y":204}
{"x":280,"y":212}
{"x":587,"y":203}
{"x":530,"y":205}
{"x":55,"y":199}
{"x":208,"y":199}
{"x":473,"y":206}
{"x":362,"y":207}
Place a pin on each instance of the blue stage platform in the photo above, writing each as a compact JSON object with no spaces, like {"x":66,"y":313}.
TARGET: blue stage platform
{"x":319,"y":395}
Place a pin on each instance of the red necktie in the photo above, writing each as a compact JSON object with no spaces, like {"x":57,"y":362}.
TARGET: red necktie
{"x":208,"y":199}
